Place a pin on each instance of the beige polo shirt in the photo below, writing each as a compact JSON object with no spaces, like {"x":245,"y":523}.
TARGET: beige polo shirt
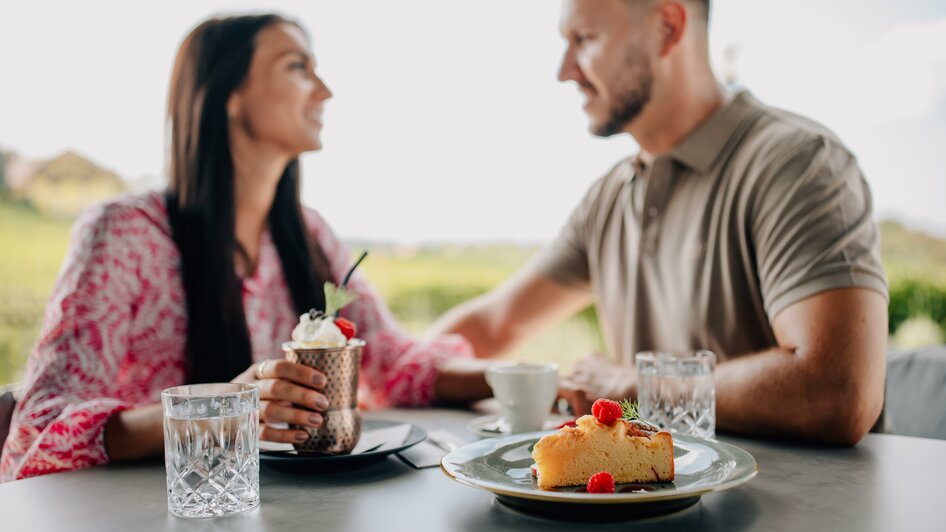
{"x":757,"y":209}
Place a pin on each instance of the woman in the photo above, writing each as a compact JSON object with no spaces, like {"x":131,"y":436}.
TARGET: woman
{"x":205,"y":282}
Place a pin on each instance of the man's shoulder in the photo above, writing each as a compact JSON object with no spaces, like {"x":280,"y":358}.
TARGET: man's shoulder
{"x":611,"y":182}
{"x":778,"y":135}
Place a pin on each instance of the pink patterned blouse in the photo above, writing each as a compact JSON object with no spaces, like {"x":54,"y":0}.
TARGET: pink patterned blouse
{"x":114,"y":335}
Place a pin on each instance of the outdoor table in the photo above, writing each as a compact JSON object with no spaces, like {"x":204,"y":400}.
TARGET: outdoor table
{"x":884,"y":483}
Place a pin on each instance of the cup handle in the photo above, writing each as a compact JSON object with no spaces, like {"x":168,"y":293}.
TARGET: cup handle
{"x":490,"y":381}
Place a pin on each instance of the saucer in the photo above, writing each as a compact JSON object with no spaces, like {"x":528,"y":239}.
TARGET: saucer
{"x":481,"y":425}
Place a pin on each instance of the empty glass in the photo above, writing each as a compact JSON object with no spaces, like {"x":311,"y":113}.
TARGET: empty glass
{"x":676,"y":391}
{"x":211,"y":448}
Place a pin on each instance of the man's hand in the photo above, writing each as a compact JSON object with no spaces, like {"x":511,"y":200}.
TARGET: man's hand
{"x":594,"y":377}
{"x":579,"y":399}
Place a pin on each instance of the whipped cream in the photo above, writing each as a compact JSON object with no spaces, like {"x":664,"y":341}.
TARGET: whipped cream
{"x":317,"y":331}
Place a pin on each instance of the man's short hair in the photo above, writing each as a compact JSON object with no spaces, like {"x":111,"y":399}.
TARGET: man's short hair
{"x":704,"y":5}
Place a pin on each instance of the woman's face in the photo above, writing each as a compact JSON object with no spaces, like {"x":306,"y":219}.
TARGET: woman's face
{"x":279,"y":105}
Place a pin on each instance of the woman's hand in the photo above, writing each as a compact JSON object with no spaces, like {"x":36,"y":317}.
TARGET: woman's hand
{"x":287,"y":395}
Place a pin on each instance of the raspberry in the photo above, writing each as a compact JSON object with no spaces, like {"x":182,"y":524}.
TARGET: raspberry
{"x":601,"y":482}
{"x":348,"y":328}
{"x":606,"y":411}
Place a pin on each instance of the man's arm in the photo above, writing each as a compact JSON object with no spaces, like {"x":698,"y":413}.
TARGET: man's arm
{"x":522,"y":306}
{"x":494,"y":322}
{"x":824,"y":382}
{"x":812,"y":228}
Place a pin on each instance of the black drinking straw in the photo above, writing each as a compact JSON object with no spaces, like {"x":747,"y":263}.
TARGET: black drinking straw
{"x":350,"y":272}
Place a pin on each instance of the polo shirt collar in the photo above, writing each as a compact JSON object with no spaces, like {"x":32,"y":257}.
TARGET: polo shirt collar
{"x":705,"y":144}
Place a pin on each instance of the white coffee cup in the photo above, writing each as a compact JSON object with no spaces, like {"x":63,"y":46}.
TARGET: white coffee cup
{"x":525,"y":393}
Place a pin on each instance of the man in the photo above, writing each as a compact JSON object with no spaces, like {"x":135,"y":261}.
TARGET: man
{"x":737,"y":228}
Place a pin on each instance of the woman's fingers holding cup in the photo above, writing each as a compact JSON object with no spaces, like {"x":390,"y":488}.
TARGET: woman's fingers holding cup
{"x":273,"y":434}
{"x":282,"y":390}
{"x":271,"y":412}
{"x":290,"y":371}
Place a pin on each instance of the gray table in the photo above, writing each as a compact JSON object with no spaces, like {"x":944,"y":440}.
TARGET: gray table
{"x":885,"y":483}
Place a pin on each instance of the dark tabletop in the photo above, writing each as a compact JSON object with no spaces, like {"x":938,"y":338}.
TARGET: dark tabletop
{"x":884,"y":483}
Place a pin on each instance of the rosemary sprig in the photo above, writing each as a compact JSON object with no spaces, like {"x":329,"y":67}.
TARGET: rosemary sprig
{"x":632,"y":412}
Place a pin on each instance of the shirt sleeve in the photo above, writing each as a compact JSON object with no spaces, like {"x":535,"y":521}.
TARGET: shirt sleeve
{"x":399,"y":369}
{"x":813,"y":227}
{"x":59,"y":423}
{"x":565,"y":259}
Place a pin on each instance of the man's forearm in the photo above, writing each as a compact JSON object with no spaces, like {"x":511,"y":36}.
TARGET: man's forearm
{"x":523,"y":306}
{"x":136,"y":433}
{"x":472,"y":320}
{"x":779,"y":393}
{"x":826,"y":380}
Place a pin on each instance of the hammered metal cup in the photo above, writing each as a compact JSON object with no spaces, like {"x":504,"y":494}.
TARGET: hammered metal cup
{"x":341,"y":425}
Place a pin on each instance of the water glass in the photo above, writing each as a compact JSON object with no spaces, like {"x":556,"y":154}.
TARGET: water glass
{"x":211,"y":448}
{"x":676,"y":391}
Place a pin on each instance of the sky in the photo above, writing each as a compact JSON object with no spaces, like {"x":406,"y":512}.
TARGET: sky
{"x":448,"y":122}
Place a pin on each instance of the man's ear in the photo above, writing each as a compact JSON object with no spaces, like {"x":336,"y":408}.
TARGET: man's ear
{"x":674,"y":19}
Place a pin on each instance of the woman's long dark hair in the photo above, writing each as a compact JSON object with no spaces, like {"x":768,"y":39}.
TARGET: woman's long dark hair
{"x":212,"y":62}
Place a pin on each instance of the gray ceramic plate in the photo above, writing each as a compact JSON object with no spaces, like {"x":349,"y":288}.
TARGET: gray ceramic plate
{"x":503,"y":466}
{"x":486,"y":426}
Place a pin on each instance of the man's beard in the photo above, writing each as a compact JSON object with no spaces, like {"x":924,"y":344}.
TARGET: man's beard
{"x":630,"y":102}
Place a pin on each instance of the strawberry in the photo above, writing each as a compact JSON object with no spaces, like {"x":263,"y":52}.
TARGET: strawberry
{"x":601,"y":482}
{"x":606,"y":411}
{"x":348,"y":328}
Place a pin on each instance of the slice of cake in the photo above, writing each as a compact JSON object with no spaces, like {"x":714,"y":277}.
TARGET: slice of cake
{"x":629,"y":449}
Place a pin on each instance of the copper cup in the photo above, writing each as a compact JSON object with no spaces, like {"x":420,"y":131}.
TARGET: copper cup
{"x":341,"y":425}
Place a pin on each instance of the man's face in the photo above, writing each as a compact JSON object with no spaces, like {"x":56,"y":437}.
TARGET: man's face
{"x":608,"y":58}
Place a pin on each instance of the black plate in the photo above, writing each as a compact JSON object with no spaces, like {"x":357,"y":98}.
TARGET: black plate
{"x":292,"y":461}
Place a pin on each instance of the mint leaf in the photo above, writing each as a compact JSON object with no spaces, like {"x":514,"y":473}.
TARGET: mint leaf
{"x":336,"y":298}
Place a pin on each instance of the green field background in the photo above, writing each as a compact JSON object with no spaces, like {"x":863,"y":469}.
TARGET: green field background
{"x":419,"y":284}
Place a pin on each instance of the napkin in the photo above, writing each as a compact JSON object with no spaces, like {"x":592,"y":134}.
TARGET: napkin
{"x":391,"y":438}
{"x":427,"y":454}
